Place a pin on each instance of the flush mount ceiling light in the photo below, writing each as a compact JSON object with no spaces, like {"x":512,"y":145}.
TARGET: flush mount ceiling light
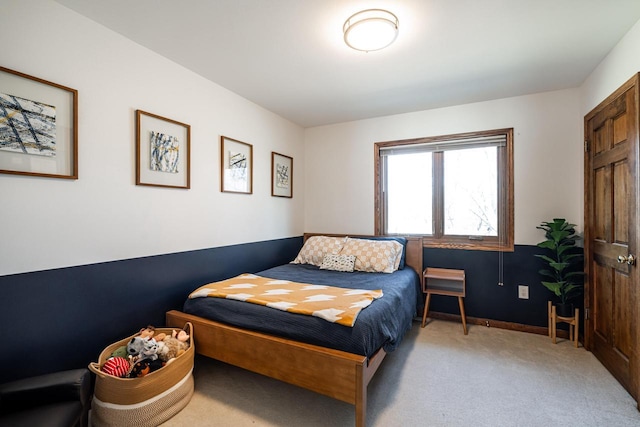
{"x":370,"y":29}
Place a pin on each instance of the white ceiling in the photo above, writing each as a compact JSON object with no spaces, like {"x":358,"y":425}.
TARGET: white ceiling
{"x":289,"y":57}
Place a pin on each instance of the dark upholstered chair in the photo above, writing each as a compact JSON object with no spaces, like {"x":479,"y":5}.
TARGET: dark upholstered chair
{"x":57,"y":399}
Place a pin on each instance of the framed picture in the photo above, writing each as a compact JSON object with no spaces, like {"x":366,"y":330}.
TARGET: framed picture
{"x":163,"y":151}
{"x":236,"y":166}
{"x":38,"y":127}
{"x":281,"y":175}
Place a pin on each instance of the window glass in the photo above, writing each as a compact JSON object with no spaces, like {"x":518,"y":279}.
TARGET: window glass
{"x":409,"y":211}
{"x":471,"y":192}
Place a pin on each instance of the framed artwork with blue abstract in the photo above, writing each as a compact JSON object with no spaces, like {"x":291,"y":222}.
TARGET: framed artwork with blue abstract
{"x":236,"y":166}
{"x":38,"y":127}
{"x":281,"y":175}
{"x":162,"y":151}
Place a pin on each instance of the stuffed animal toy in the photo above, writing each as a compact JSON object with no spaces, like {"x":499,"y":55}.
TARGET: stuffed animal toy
{"x":116,"y":366}
{"x":120,"y":352}
{"x":144,"y":367}
{"x":150,"y":332}
{"x":135,"y":346}
{"x":171,"y":347}
{"x":149,"y":349}
{"x":181,"y":336}
{"x":147,"y":332}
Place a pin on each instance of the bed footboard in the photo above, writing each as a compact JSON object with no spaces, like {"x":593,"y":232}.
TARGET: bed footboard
{"x":334,"y":373}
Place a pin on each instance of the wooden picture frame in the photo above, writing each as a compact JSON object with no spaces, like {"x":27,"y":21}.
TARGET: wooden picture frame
{"x":38,"y":127}
{"x":281,"y":175}
{"x":236,"y":166}
{"x":163,"y":151}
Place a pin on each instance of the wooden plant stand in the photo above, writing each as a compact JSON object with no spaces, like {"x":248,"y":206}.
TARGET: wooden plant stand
{"x":572,"y":321}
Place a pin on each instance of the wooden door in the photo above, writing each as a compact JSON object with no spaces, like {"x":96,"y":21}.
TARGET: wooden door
{"x":611,"y":235}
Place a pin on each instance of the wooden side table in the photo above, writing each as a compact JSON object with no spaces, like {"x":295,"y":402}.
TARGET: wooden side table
{"x":572,"y":321}
{"x":444,"y":281}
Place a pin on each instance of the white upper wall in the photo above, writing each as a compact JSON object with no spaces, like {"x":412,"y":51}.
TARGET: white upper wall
{"x":615,"y":69}
{"x":619,"y":66}
{"x":548,"y":150}
{"x":104,"y":216}
{"x":548,"y":157}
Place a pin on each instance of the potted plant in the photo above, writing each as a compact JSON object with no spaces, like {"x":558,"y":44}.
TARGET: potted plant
{"x":565,"y":272}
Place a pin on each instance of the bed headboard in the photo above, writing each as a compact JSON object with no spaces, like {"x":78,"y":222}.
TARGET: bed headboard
{"x":413,"y":253}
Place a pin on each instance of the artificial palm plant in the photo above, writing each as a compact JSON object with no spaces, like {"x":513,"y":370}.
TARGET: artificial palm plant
{"x":565,"y":264}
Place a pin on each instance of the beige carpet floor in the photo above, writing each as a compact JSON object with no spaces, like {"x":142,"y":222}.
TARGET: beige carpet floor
{"x":438,"y":377}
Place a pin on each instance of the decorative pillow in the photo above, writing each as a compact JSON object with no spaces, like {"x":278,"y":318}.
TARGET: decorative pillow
{"x":399,"y":239}
{"x":338,"y":262}
{"x":376,"y":256}
{"x":317,"y":247}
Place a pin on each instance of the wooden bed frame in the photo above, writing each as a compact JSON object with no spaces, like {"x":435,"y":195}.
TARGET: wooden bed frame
{"x":341,"y":375}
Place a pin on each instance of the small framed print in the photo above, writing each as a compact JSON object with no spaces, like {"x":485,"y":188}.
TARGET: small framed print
{"x":38,"y":127}
{"x":281,"y":175}
{"x":236,"y":166}
{"x":163,"y":151}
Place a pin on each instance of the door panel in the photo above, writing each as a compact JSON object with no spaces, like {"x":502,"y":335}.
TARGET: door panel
{"x":598,"y":139}
{"x":620,"y":189}
{"x":622,"y":340}
{"x":620,"y":129}
{"x":602,"y":191}
{"x":611,"y":222}
{"x":602,"y":315}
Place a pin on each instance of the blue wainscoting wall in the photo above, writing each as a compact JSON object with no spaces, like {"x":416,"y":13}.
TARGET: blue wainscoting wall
{"x":485,"y":299}
{"x":63,"y":318}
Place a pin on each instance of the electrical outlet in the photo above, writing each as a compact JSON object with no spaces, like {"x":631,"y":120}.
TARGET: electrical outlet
{"x":523,"y":292}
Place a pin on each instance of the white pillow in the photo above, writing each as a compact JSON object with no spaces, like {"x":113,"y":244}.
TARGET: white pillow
{"x":338,"y":262}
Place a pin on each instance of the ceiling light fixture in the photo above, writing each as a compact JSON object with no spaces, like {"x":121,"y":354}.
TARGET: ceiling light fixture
{"x":370,"y":29}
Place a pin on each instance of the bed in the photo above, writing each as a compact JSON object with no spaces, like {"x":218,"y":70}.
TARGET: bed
{"x":340,"y":369}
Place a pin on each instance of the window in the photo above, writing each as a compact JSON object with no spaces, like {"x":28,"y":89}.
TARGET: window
{"x":454,"y":190}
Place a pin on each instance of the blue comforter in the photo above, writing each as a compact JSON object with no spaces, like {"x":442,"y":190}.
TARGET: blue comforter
{"x":382,"y":324}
